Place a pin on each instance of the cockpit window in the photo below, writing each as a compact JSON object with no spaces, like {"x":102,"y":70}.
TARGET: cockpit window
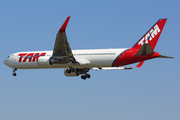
{"x":8,"y":57}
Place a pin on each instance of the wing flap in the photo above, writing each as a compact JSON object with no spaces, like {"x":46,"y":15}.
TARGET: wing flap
{"x":118,"y":68}
{"x":83,"y":61}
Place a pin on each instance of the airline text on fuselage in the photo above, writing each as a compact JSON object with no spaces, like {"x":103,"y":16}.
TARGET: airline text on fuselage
{"x":31,"y":57}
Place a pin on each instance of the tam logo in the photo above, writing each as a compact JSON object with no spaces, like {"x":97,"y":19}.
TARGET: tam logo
{"x":32,"y":57}
{"x":150,"y":35}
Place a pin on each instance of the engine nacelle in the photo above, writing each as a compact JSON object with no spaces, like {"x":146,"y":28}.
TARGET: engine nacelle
{"x":43,"y":61}
{"x":47,"y":60}
{"x":76,"y":72}
{"x":54,"y":61}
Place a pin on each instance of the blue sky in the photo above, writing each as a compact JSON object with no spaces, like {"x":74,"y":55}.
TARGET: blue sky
{"x":149,"y":93}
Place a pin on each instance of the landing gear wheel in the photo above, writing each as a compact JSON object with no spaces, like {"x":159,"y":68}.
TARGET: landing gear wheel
{"x":68,"y":71}
{"x":83,"y":77}
{"x":72,"y":69}
{"x":14,"y":74}
{"x":87,"y":75}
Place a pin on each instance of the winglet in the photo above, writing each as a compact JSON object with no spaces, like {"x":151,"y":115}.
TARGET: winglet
{"x":63,"y":27}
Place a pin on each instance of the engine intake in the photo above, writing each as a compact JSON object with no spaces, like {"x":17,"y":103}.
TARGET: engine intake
{"x":53,"y":61}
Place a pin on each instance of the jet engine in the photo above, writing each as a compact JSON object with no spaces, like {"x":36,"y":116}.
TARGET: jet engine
{"x":47,"y":60}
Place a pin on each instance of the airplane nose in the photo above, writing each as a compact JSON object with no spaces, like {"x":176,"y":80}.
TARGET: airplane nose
{"x":6,"y":62}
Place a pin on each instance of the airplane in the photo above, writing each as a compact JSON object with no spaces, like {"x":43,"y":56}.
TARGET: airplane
{"x":79,"y":62}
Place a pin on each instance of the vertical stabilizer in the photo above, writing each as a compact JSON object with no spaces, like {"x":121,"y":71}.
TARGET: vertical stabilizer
{"x":152,"y":35}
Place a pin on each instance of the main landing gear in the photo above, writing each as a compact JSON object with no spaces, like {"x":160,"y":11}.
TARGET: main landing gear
{"x":70,"y":69}
{"x":77,"y":71}
{"x":14,"y":72}
{"x":85,"y":76}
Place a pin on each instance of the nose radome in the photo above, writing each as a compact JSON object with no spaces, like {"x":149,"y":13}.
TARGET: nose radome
{"x":6,"y":61}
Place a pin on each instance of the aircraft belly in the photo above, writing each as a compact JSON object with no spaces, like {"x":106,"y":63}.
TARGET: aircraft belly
{"x":100,"y":61}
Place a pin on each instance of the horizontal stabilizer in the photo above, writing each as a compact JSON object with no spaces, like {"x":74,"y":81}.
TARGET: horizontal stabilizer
{"x":146,"y":49}
{"x":162,"y":56}
{"x":140,"y":64}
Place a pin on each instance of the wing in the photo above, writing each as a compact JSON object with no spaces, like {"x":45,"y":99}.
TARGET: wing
{"x":62,"y":50}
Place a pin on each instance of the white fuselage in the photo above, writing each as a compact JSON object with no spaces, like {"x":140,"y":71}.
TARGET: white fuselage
{"x":87,"y":58}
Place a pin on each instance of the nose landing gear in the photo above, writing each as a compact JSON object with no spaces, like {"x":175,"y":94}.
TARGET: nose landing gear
{"x":14,"y":72}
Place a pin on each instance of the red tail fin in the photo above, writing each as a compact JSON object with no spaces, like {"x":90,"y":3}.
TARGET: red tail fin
{"x":152,"y":35}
